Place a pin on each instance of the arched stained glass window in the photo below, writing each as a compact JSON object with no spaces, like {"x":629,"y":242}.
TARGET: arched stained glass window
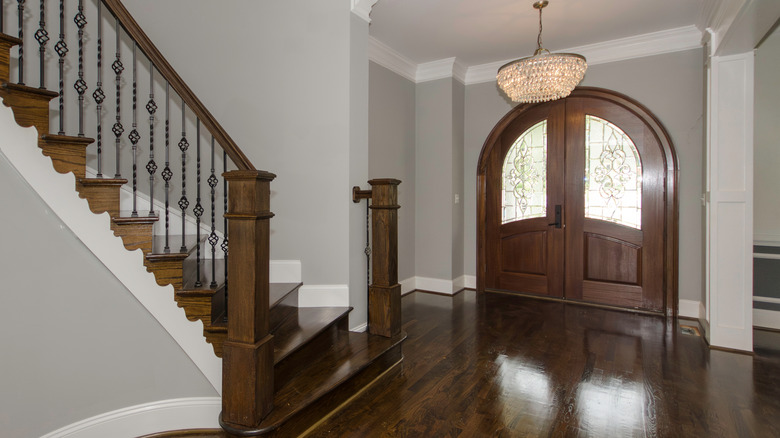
{"x":613,"y":174}
{"x":524,"y":176}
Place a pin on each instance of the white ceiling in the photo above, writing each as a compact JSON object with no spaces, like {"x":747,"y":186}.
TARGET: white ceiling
{"x":483,"y":31}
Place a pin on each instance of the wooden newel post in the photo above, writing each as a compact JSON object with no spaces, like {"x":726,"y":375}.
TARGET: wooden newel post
{"x":384,"y":294}
{"x":247,"y":358}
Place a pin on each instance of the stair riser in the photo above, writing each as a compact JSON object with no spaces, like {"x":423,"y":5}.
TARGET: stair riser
{"x":287,"y":308}
{"x":66,"y":158}
{"x":166,"y":272}
{"x":29,"y":110}
{"x":101,"y":199}
{"x":385,"y":367}
{"x":135,"y":236}
{"x":291,"y":366}
{"x":5,"y":60}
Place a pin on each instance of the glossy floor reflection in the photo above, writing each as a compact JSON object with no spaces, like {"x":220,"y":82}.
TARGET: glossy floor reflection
{"x":493,"y":365}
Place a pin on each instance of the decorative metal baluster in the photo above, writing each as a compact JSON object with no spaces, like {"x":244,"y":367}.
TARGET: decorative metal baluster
{"x":213,"y":239}
{"x":98,"y":94}
{"x":225,"y":225}
{"x":117,"y":66}
{"x":80,"y":85}
{"x":21,"y":38}
{"x":183,"y":202}
{"x":198,"y":210}
{"x":42,"y":36}
{"x":62,"y":49}
{"x":166,"y":173}
{"x":151,"y":166}
{"x":134,"y":135}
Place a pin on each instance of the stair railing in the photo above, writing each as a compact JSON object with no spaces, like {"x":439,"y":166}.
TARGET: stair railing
{"x":247,"y":387}
{"x":384,"y":292}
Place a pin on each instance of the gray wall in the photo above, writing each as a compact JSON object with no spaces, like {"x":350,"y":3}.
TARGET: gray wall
{"x":75,"y":343}
{"x":671,"y":86}
{"x":458,"y":142}
{"x":392,"y":151}
{"x":434,"y":167}
{"x":277,"y":75}
{"x":766,"y":213}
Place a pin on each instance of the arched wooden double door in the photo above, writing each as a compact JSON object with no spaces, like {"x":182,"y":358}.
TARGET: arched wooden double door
{"x":577,"y":200}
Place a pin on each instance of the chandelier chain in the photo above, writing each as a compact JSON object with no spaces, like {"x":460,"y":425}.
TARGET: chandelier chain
{"x":539,"y":37}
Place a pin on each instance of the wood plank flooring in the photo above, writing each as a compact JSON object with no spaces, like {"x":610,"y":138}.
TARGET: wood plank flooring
{"x":493,"y":365}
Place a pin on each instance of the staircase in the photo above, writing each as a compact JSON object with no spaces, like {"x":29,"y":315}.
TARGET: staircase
{"x":318,"y":365}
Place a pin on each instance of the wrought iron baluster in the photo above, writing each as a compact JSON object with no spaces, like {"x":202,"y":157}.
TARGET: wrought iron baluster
{"x":151,"y":166}
{"x":225,"y":226}
{"x":183,"y":202}
{"x":20,"y":5}
{"x":42,"y":36}
{"x":62,"y":49}
{"x":98,"y":94}
{"x":213,"y":239}
{"x":166,"y":173}
{"x":198,"y":210}
{"x":80,"y":85}
{"x":117,"y":66}
{"x":134,"y":135}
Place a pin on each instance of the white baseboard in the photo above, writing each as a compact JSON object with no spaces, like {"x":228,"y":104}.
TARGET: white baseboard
{"x":147,"y":418}
{"x":766,"y":318}
{"x":691,"y":309}
{"x":285,"y":271}
{"x":448,"y":287}
{"x":360,"y":329}
{"x":323,"y":295}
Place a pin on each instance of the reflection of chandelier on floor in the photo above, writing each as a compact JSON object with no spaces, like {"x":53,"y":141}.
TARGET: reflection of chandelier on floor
{"x":543,"y":76}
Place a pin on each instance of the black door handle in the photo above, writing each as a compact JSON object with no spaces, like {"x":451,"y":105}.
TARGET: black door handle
{"x":558,"y":222}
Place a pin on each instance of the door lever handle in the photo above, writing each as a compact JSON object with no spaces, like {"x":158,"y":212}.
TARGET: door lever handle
{"x":558,"y":222}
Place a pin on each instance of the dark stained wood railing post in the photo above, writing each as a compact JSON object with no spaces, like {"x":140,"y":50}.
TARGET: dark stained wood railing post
{"x":247,"y":360}
{"x":384,"y":294}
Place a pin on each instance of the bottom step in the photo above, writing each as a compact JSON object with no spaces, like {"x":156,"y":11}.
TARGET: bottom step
{"x":327,"y":384}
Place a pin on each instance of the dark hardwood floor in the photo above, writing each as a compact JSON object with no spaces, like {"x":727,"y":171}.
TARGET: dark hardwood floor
{"x":495,"y":365}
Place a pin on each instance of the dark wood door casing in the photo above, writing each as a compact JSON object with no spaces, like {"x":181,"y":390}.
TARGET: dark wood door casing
{"x":599,"y":237}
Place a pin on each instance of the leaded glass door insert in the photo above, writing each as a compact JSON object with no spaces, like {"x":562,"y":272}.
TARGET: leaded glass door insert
{"x":613,"y":174}
{"x":524,"y":176}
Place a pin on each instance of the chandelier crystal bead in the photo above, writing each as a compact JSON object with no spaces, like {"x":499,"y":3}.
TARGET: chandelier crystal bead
{"x":543,"y":76}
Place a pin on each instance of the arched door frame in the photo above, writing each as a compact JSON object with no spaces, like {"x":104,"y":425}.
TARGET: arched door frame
{"x":671,"y":222}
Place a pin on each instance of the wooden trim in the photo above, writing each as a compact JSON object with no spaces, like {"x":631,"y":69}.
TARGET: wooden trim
{"x":132,"y":28}
{"x":672,"y":171}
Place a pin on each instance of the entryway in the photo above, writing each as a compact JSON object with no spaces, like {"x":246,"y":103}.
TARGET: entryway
{"x":577,"y":200}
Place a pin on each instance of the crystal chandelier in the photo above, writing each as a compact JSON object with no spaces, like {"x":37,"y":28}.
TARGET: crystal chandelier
{"x":544,"y":76}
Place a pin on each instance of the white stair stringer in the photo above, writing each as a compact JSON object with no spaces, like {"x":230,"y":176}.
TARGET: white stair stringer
{"x":20,"y":146}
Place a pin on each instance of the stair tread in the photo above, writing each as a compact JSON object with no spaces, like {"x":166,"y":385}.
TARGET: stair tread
{"x":102,"y":181}
{"x":66,"y":139}
{"x":174,"y":242}
{"x":126,"y":217}
{"x":293,"y":333}
{"x":10,"y":39}
{"x":31,"y":90}
{"x":190,"y":275}
{"x":278,"y":291}
{"x":336,"y":366}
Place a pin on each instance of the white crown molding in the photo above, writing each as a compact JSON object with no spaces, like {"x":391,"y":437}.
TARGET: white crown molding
{"x":656,"y":43}
{"x":388,"y":58}
{"x":147,"y":418}
{"x":362,"y":8}
{"x":94,"y":231}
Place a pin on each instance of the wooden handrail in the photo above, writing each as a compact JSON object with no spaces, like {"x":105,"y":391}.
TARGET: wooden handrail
{"x":132,"y":28}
